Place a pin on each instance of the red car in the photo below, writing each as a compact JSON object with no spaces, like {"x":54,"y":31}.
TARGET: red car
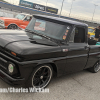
{"x":15,"y":23}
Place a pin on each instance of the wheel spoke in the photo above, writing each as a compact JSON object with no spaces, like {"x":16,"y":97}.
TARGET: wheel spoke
{"x":37,"y":76}
{"x":43,"y":81}
{"x":39,"y":72}
{"x":43,"y":71}
{"x":45,"y":76}
{"x":40,"y":82}
{"x":36,"y":80}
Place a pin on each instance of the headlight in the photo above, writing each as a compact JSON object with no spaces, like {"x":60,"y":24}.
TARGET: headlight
{"x":10,"y":68}
{"x":1,"y":22}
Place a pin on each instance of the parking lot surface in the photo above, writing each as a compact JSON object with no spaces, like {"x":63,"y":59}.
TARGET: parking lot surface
{"x":82,"y":85}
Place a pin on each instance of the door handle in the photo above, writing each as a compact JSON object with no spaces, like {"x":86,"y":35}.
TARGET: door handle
{"x":87,"y":47}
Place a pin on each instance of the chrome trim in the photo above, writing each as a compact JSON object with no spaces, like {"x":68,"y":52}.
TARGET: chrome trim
{"x":94,"y":53}
{"x":2,"y":23}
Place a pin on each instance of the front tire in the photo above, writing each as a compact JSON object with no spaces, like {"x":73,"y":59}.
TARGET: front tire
{"x":40,"y":77}
{"x":95,"y":68}
{"x":13,"y":26}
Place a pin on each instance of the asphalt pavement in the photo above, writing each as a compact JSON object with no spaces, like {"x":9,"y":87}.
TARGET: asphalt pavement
{"x":82,"y":85}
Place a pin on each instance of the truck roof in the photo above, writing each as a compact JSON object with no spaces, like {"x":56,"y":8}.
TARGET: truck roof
{"x":62,"y":20}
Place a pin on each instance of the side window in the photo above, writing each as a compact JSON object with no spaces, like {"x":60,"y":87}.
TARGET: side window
{"x":72,"y":36}
{"x":28,"y":18}
{"x":78,"y":35}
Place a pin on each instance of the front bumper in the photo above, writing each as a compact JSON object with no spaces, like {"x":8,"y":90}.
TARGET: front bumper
{"x":2,"y":27}
{"x":24,"y":69}
{"x":4,"y":62}
{"x":10,"y":80}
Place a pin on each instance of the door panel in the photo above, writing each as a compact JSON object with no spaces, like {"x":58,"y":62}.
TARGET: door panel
{"x":25,"y":22}
{"x":76,"y":57}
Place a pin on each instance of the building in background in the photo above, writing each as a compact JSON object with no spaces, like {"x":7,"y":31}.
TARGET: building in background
{"x":38,"y":6}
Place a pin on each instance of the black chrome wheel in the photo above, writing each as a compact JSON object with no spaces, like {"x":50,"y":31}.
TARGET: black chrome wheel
{"x":41,"y":76}
{"x":95,"y":68}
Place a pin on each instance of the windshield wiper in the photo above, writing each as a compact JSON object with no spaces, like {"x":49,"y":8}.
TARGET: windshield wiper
{"x":51,"y":39}
{"x":38,"y":34}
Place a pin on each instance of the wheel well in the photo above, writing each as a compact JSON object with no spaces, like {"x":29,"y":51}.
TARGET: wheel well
{"x":53,"y":66}
{"x":12,"y":24}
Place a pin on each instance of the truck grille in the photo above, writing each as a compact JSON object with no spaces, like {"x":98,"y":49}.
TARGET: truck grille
{"x":3,"y":63}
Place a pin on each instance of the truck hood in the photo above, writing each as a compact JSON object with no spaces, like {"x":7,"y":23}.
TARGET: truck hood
{"x":6,"y":18}
{"x":20,"y":43}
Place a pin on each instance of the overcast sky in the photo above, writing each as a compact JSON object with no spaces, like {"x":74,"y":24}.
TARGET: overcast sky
{"x":80,"y":8}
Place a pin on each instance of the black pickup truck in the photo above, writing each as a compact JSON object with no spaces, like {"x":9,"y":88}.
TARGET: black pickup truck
{"x":48,"y":45}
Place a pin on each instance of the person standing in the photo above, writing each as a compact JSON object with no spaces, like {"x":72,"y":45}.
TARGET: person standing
{"x":97,"y":33}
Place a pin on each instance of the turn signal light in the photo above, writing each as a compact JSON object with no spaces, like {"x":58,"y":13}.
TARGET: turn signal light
{"x":13,"y":53}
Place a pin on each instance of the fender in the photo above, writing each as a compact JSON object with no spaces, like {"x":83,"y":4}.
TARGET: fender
{"x":45,"y":61}
{"x":30,"y":67}
{"x":54,"y":65}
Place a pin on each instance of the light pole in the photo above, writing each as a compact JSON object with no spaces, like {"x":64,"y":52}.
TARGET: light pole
{"x":46,"y":5}
{"x":46,"y":2}
{"x":10,"y":1}
{"x":71,"y":8}
{"x":94,"y":11}
{"x":61,"y":8}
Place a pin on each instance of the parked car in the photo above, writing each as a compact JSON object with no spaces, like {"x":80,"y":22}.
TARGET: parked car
{"x":14,"y":23}
{"x":91,"y":31}
{"x":48,"y":45}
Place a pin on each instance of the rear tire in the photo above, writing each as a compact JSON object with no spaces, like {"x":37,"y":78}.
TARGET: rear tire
{"x":40,"y":77}
{"x":95,"y":68}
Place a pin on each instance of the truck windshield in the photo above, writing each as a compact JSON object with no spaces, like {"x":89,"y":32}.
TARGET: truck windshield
{"x":50,"y":29}
{"x":20,"y":16}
